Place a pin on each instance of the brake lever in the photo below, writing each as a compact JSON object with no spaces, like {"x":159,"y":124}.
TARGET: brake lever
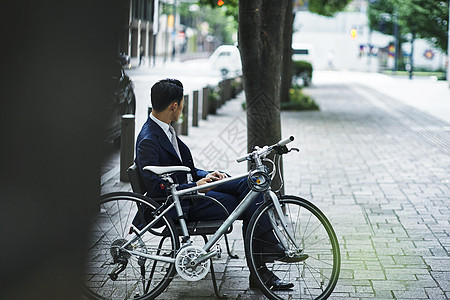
{"x":281,"y":149}
{"x":284,"y":150}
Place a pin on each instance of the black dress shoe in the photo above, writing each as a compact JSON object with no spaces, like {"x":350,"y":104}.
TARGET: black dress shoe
{"x":270,"y":280}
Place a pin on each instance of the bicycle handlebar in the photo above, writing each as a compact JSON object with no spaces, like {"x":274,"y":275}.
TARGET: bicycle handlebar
{"x":285,"y":141}
{"x":266,"y":149}
{"x":242,"y":158}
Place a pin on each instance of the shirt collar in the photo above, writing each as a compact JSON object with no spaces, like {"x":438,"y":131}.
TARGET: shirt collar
{"x":164,"y":126}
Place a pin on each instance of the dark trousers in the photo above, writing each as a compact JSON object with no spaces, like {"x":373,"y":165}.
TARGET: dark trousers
{"x":230,"y":195}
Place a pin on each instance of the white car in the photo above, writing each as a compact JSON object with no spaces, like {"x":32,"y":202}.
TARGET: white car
{"x":227,"y":59}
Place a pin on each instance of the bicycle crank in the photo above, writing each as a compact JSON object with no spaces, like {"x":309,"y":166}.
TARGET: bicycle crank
{"x":192,"y":262}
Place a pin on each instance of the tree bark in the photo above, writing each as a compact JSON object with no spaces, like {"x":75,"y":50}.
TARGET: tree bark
{"x":261,"y":24}
{"x":286,"y":67}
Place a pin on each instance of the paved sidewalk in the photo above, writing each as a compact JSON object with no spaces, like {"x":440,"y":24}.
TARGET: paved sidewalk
{"x":378,"y":168}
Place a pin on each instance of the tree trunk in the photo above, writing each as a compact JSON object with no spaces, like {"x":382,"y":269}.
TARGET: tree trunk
{"x":261,"y":25}
{"x":286,"y":67}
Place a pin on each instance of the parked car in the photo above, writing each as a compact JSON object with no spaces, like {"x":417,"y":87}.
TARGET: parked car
{"x":123,"y":102}
{"x":227,"y":59}
{"x":125,"y":60}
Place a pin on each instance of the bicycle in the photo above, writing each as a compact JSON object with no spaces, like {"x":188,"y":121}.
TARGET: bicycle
{"x":125,"y":261}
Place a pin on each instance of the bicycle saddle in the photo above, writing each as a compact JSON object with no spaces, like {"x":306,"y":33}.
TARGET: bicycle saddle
{"x":169,"y":169}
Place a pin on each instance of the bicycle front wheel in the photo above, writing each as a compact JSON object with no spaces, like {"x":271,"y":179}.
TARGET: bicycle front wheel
{"x":311,"y":263}
{"x":114,"y":273}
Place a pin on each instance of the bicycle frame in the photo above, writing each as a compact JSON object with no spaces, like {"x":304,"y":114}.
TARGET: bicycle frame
{"x":242,"y":206}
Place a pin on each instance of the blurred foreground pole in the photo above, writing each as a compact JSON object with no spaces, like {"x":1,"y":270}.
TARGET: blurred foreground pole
{"x":448,"y":48}
{"x":126,"y":146}
{"x":56,"y":92}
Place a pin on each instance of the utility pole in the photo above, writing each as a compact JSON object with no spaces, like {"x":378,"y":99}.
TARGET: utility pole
{"x":411,"y":60}
{"x":397,"y":46}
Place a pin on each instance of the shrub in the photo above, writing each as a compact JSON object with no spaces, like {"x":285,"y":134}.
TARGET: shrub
{"x":299,"y":101}
{"x":303,"y":70}
{"x":213,"y":99}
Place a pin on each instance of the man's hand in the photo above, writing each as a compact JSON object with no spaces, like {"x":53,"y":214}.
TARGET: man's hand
{"x":216,"y":175}
{"x":204,"y":181}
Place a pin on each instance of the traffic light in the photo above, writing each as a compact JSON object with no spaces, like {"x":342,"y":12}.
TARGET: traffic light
{"x":220,"y":2}
{"x":353,"y":33}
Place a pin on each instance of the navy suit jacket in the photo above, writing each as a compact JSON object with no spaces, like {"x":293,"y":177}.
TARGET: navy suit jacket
{"x":153,"y":148}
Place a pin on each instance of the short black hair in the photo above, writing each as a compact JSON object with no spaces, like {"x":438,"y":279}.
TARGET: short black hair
{"x":165,"y":92}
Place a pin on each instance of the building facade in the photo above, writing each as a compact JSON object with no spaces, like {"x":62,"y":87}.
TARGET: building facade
{"x":137,"y":31}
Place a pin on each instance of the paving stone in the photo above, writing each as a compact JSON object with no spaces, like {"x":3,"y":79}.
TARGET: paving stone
{"x":369,"y":274}
{"x":382,"y":183}
{"x":384,"y":295}
{"x":438,"y":263}
{"x":410,"y":295}
{"x":443,"y":279}
{"x":435,"y":293}
{"x":408,"y":260}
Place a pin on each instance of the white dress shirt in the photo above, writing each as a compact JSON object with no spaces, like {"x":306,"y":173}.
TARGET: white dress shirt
{"x":164,"y":126}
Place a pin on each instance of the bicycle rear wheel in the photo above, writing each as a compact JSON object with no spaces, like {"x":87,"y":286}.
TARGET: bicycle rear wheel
{"x":112,"y":273}
{"x":312,"y":268}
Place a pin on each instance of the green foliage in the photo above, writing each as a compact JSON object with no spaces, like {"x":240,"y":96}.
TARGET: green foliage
{"x":213,"y":99}
{"x":303,"y":69}
{"x":327,"y":7}
{"x":299,"y":101}
{"x":229,"y":8}
{"x":213,"y":93}
{"x":427,"y":19}
{"x":302,"y":66}
{"x":222,"y":25}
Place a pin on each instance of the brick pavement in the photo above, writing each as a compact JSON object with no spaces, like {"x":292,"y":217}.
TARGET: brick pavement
{"x":378,"y":168}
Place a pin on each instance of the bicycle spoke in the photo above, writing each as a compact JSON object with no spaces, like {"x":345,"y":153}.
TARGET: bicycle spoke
{"x":315,"y":273}
{"x":113,"y":272}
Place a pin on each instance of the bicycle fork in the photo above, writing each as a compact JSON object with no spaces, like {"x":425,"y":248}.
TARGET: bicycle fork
{"x":283,"y":222}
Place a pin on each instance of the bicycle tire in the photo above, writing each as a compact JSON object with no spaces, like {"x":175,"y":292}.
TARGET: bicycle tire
{"x":316,"y":272}
{"x":141,"y":278}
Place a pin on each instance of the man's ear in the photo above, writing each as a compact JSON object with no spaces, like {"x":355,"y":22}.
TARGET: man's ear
{"x":174,"y":106}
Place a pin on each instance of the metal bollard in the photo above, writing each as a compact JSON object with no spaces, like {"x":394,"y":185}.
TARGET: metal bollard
{"x":205,"y":103}
{"x":195,"y":109}
{"x":184,"y":125}
{"x":225,"y":90}
{"x":126,"y":146}
{"x":222,"y":93}
{"x":228,"y":89}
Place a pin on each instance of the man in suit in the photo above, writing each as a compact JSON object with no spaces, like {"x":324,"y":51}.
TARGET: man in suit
{"x":158,"y":145}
